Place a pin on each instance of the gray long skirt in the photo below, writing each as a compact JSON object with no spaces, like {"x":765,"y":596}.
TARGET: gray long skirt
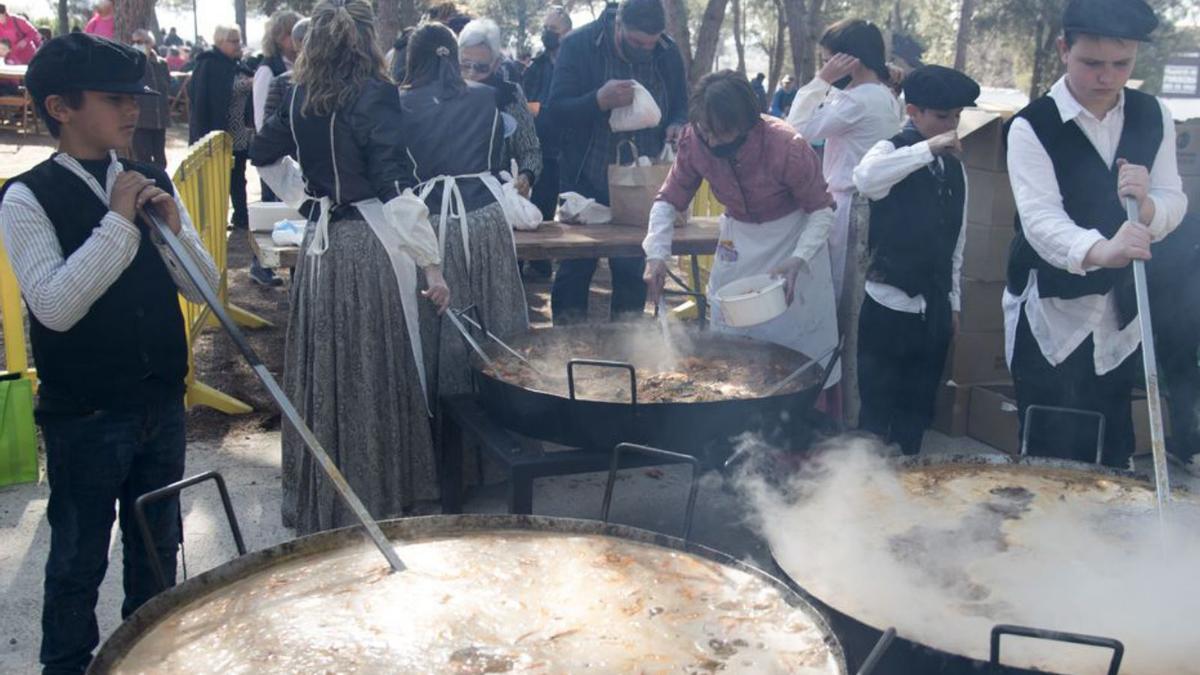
{"x":349,"y":369}
{"x":492,"y":284}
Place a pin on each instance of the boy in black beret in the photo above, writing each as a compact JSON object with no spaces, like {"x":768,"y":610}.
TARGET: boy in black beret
{"x":918,"y":191}
{"x":106,"y":330}
{"x":1073,"y":156}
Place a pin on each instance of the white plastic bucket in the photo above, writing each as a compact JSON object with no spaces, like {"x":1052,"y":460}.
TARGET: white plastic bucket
{"x":752,"y":300}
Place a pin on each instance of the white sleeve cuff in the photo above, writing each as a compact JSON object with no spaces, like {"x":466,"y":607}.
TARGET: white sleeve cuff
{"x":657,"y":244}
{"x":1158,"y":224}
{"x":1079,"y":250}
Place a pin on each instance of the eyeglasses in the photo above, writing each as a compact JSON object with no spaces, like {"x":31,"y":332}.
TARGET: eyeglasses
{"x":477,"y":68}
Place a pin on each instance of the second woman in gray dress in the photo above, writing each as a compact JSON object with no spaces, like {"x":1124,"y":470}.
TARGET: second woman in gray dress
{"x":455,"y":137}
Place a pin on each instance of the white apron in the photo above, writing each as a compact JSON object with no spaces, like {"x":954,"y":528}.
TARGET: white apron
{"x":809,"y":325}
{"x":839,"y":235}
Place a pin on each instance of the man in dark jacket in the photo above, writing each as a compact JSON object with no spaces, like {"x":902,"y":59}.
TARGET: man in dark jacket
{"x":595,"y":72}
{"x":536,"y":83}
{"x":760,"y":91}
{"x":211,"y":96}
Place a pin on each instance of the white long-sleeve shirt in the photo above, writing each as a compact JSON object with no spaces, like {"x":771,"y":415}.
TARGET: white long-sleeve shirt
{"x":260,"y":90}
{"x":882,"y":168}
{"x":1061,"y":325}
{"x":849,"y":121}
{"x":60,"y":292}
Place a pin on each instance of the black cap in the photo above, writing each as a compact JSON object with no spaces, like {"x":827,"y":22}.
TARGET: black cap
{"x":83,"y":62}
{"x":939,"y":88}
{"x":1124,"y":19}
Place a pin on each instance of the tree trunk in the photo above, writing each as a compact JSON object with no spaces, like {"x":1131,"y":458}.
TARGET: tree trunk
{"x":132,"y":15}
{"x":522,"y":26}
{"x":388,"y":23}
{"x":803,"y":19}
{"x":778,"y":50}
{"x":1035,"y":80}
{"x":239,"y":14}
{"x":677,"y":28}
{"x":962,"y":40}
{"x":739,"y":39}
{"x":64,"y":17}
{"x":708,"y":39}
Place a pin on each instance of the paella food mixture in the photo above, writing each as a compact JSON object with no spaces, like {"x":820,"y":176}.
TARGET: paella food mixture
{"x":688,"y":379}
{"x":496,"y":602}
{"x":945,"y":552}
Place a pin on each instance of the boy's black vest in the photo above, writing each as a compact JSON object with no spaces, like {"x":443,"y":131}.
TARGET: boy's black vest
{"x":915,"y":229}
{"x":1089,"y":193}
{"x":130,"y":346}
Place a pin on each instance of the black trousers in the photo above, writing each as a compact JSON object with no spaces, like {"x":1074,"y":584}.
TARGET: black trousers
{"x":150,"y":145}
{"x":1074,"y":384}
{"x":901,"y":357}
{"x":237,"y":191}
{"x":93,"y":462}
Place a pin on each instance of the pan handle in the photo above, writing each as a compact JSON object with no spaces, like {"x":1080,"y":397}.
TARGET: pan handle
{"x":872,"y":661}
{"x":665,"y":454}
{"x":173,"y":490}
{"x":1057,"y":636}
{"x":571,"y":365}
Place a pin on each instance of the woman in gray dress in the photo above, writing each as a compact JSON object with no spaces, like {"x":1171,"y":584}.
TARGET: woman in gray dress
{"x":455,"y":138}
{"x":352,"y":363}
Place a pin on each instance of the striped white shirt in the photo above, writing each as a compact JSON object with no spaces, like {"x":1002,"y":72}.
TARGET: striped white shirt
{"x":60,"y":291}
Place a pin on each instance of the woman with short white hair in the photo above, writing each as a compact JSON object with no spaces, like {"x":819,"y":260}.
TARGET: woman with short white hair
{"x":479,"y":55}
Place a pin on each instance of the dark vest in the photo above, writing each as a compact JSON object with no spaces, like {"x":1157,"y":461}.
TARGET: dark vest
{"x":915,"y":229}
{"x":1089,"y":191}
{"x":130,"y":346}
{"x":452,"y":136}
{"x":276,"y":64}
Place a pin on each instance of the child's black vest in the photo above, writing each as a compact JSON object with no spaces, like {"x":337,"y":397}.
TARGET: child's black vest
{"x":130,"y":346}
{"x":915,"y":229}
{"x":1089,"y":193}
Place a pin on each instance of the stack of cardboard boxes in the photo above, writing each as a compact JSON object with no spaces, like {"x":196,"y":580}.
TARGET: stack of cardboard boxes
{"x":1187,"y":139}
{"x":977,"y":355}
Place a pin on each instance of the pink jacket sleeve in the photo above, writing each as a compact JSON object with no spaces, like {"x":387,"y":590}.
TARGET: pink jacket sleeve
{"x":802,"y":174}
{"x":683,"y":180}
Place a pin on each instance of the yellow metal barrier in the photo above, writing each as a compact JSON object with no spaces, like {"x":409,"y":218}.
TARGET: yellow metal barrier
{"x":704,"y":205}
{"x":202,"y":182}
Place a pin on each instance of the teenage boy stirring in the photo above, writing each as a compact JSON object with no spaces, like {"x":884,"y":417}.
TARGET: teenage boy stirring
{"x":106,"y":329}
{"x":1073,"y":156}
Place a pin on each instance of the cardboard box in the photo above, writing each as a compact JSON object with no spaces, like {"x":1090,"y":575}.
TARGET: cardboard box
{"x":951,"y":409}
{"x":978,"y":358}
{"x":1191,"y":188}
{"x":981,"y":310}
{"x":982,"y":134}
{"x":1187,"y":147}
{"x":985,"y":252}
{"x":989,"y":198}
{"x":993,"y":418}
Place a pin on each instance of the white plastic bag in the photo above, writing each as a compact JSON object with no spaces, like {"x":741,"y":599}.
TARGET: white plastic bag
{"x":520,"y":213}
{"x":643,"y":113}
{"x":575,"y":208}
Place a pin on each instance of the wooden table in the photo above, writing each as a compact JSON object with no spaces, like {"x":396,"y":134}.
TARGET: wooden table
{"x":555,"y":241}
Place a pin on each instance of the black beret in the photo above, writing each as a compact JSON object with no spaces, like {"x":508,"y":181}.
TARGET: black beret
{"x":939,"y":88}
{"x":1124,"y":19}
{"x":82,"y":62}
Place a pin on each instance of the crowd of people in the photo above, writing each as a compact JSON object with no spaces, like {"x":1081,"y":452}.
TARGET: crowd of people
{"x":396,"y":162}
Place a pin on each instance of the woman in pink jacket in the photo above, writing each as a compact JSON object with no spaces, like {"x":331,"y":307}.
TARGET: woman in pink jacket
{"x":24,"y":38}
{"x":778,"y":211}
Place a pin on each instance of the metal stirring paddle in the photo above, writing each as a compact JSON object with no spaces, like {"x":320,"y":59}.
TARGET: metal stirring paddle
{"x":1158,"y":447}
{"x":289,"y":411}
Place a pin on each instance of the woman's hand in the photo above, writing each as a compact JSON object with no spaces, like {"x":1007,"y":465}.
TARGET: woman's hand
{"x":789,"y":270}
{"x":521,"y":182}
{"x":655,"y":278}
{"x":437,"y":292}
{"x":841,"y":65}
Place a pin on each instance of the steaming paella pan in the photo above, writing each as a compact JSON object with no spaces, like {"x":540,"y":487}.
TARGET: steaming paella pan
{"x":945,"y":548}
{"x":492,"y":594}
{"x":690,"y":394}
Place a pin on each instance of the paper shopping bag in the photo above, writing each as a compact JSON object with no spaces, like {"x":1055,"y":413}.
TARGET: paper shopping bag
{"x":633,"y":187}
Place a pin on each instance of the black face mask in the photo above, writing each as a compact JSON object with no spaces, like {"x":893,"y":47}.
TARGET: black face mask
{"x":726,"y":150}
{"x":843,"y":83}
{"x":550,"y":40}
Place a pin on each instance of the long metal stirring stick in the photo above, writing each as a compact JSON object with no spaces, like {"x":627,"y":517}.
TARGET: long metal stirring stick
{"x":310,"y":440}
{"x":1158,"y":447}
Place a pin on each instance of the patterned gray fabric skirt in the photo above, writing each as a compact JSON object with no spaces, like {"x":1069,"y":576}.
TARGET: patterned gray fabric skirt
{"x":492,"y":284}
{"x":349,"y":369}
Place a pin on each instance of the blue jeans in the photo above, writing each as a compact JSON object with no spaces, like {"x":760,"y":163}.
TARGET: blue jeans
{"x":573,"y":280}
{"x":93,"y":462}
